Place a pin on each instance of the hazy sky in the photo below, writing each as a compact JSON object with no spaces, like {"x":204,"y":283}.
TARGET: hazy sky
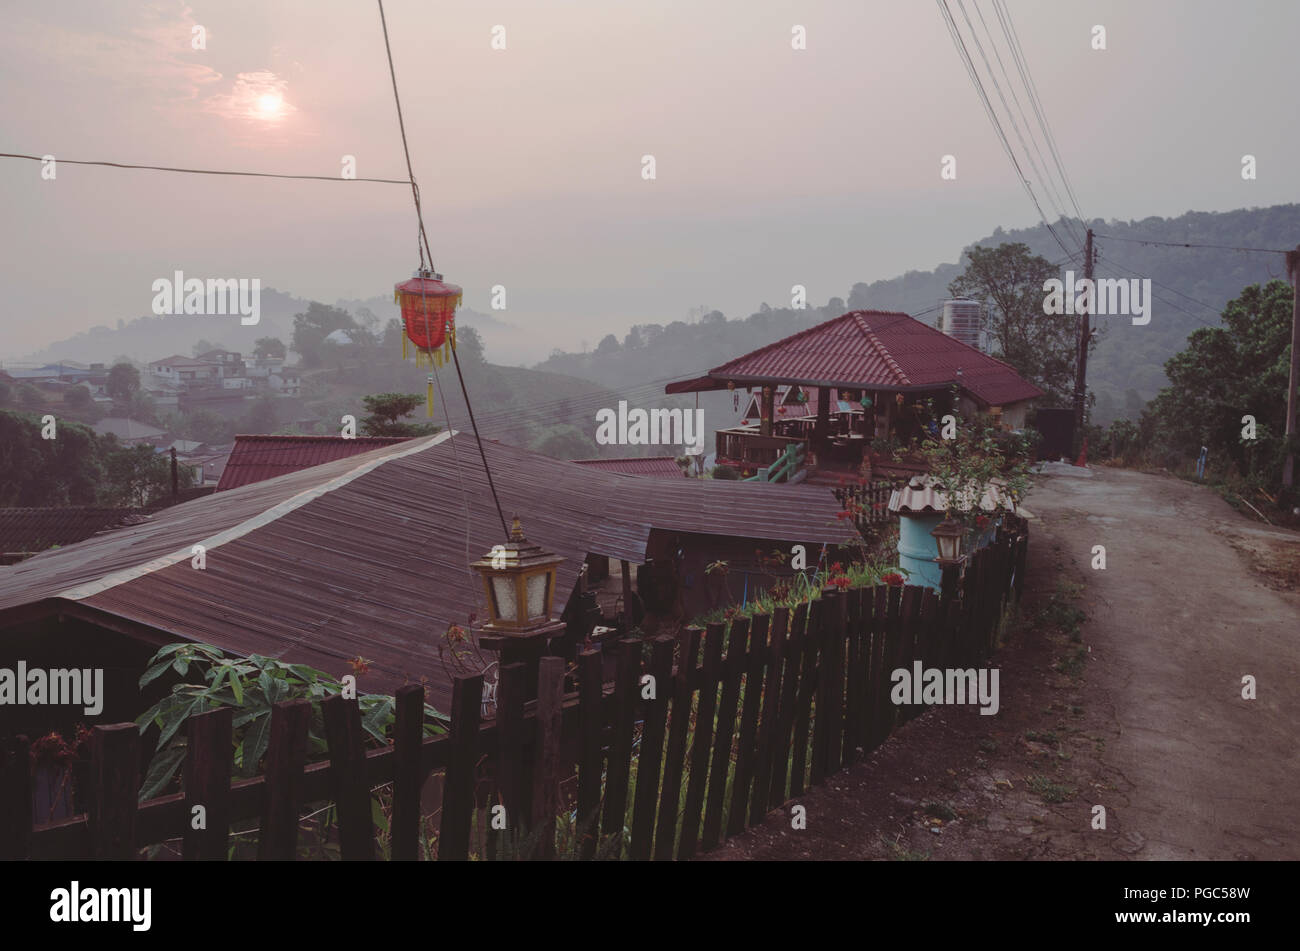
{"x":774,"y":166}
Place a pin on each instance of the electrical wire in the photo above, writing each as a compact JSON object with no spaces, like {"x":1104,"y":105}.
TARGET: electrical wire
{"x":209,"y":171}
{"x":1189,"y":244}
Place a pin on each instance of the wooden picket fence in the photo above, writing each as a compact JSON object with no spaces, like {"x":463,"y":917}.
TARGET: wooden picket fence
{"x":742,"y":719}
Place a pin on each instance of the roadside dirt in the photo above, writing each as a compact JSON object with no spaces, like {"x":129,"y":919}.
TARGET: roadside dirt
{"x":1138,"y":709}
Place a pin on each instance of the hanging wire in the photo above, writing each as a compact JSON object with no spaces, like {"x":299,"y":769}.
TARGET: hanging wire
{"x":424,"y":237}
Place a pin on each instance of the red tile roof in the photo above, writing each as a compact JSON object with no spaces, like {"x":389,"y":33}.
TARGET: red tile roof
{"x":368,"y":555}
{"x":257,"y":458}
{"x":872,"y":349}
{"x":660,"y":467}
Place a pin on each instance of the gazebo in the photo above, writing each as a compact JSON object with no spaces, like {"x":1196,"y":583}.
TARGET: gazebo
{"x":873,"y":375}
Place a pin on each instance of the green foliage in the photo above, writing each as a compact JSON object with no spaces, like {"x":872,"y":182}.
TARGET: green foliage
{"x":269,"y":347}
{"x":1225,"y":373}
{"x":562,"y":442}
{"x":385,"y":412}
{"x":250,"y":685}
{"x":729,"y":473}
{"x":123,"y":381}
{"x":312,"y":327}
{"x":1040,"y":346}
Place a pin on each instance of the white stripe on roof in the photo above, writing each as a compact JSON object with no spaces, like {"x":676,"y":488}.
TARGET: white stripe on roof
{"x":248,"y":525}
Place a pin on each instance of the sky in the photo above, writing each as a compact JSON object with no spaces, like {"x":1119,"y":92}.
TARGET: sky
{"x":773,"y":166}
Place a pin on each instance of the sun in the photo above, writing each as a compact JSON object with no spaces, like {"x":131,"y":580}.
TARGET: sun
{"x":269,"y":105}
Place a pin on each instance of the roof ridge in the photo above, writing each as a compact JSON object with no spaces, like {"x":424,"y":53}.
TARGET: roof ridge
{"x":797,"y":334}
{"x":881,"y":351}
{"x":274,"y":513}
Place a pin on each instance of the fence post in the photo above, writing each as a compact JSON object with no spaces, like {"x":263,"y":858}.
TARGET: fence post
{"x":670,"y":801}
{"x":546,"y":759}
{"x":618,"y":772}
{"x":746,"y":755}
{"x":408,"y":775}
{"x":114,"y":776}
{"x":652,"y":747}
{"x":208,"y":761}
{"x":15,"y":798}
{"x":591,"y":722}
{"x":783,"y":754}
{"x":462,"y":760}
{"x":808,"y":678}
{"x":721,"y":762}
{"x":282,"y":791}
{"x":348,"y":771}
{"x":511,"y":693}
{"x":767,"y":735}
{"x":702,"y":741}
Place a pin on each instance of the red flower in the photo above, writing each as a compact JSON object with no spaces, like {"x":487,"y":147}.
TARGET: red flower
{"x":837,"y":567}
{"x":893,"y":578}
{"x":360,"y":665}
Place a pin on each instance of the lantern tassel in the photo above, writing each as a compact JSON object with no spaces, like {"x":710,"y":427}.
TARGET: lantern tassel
{"x":403,"y":346}
{"x":430,"y":396}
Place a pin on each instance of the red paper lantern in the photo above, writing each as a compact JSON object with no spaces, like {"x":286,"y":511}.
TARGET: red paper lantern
{"x":428,"y":316}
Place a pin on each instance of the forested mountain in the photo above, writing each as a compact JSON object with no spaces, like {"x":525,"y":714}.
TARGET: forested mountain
{"x":1190,"y":286}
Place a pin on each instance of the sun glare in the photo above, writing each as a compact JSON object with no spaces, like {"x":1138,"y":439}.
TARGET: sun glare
{"x":268,"y":106}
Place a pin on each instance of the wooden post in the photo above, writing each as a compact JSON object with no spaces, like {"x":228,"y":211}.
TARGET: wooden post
{"x":768,"y":411}
{"x":670,"y":799}
{"x":808,"y":678}
{"x":620,"y":750}
{"x":627,"y":590}
{"x":702,"y":741}
{"x":746,"y":754}
{"x":727,"y":706}
{"x":652,"y":747}
{"x":794,"y":670}
{"x":546,"y":769}
{"x":347,"y":752}
{"x":114,"y":775}
{"x":282,"y":795}
{"x":512,"y":692}
{"x":462,"y":760}
{"x":15,"y":799}
{"x":591,"y":722}
{"x":208,"y":760}
{"x":767,"y":730}
{"x":408,"y":775}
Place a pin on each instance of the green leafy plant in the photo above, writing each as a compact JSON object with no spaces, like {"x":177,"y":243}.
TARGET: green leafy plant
{"x":250,"y":685}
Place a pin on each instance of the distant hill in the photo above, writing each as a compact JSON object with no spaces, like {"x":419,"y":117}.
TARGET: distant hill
{"x":1191,"y":286}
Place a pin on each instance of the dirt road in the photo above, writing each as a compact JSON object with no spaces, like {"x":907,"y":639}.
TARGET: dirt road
{"x":1138,"y":709}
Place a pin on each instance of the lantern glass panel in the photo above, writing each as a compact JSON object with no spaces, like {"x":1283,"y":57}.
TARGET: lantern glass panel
{"x":503,"y":587}
{"x":537,"y":585}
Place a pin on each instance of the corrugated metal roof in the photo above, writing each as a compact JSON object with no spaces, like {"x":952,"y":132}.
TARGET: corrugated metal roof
{"x":660,"y":467}
{"x":256,"y":458}
{"x":36,"y":529}
{"x":876,"y":350}
{"x":370,"y":555}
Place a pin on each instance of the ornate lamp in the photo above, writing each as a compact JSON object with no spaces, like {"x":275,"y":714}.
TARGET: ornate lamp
{"x":947,"y":538}
{"x":428,"y":316}
{"x":519,"y":581}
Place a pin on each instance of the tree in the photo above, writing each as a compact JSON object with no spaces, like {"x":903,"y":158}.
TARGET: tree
{"x":78,"y":398}
{"x":1224,"y":374}
{"x":607,"y":345}
{"x":312,"y":327}
{"x":203,"y":346}
{"x":6,"y":392}
{"x":563,"y":442}
{"x":262,"y":417}
{"x":386,"y":409}
{"x":30,"y":397}
{"x":136,"y":475}
{"x":123,"y":380}
{"x":269,"y":347}
{"x":1041,"y":347}
{"x":633,"y":339}
{"x":469,"y":346}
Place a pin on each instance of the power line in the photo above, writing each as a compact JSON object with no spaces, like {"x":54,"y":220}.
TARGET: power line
{"x":963,"y":54}
{"x":415,"y":194}
{"x":1188,"y":244}
{"x":207,"y":171}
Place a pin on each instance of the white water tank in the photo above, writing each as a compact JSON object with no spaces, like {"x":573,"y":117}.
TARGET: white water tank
{"x":962,"y":320}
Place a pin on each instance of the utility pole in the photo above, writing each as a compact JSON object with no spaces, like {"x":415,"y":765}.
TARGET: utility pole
{"x":1293,"y":272}
{"x":1085,"y":333}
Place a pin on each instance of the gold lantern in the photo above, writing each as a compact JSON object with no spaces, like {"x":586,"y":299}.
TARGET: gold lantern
{"x":519,"y":582}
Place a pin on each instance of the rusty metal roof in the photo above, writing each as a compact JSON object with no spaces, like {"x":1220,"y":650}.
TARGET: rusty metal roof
{"x":36,"y":529}
{"x":370,"y":555}
{"x":878,"y":350}
{"x":255,"y":458}
{"x":660,"y":467}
